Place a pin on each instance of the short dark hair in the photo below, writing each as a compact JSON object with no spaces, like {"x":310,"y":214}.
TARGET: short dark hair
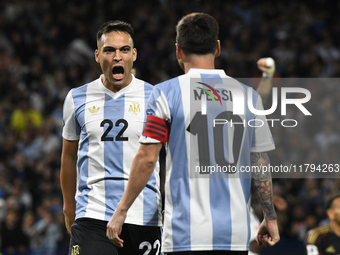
{"x":197,"y":33}
{"x":117,"y":26}
{"x":329,"y":203}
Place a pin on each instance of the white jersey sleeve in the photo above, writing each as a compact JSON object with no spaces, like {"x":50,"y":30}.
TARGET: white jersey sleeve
{"x":263,"y":139}
{"x":157,"y":106}
{"x":71,"y":129}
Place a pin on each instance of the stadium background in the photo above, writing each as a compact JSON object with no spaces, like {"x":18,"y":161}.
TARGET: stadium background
{"x":46,"y":48}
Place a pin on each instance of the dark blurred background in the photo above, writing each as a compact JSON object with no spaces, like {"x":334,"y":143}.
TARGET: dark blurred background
{"x":47,"y":48}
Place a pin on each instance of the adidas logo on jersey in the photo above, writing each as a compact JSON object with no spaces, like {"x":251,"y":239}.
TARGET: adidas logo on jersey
{"x":330,"y":249}
{"x":134,"y":108}
{"x":94,"y":110}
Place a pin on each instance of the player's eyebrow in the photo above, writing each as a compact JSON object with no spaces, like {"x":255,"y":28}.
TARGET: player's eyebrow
{"x":121,"y":48}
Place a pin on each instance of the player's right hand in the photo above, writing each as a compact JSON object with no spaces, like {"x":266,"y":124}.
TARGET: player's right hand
{"x":114,"y":227}
{"x":268,"y":234}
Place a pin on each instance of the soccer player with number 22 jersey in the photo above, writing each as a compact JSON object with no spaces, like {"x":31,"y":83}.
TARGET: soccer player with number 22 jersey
{"x":103,"y":121}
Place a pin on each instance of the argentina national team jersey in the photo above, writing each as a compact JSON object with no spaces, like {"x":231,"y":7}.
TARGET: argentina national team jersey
{"x":108,"y":126}
{"x":206,"y":213}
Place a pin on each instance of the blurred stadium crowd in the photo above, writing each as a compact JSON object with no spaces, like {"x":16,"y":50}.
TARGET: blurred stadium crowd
{"x":47,"y":48}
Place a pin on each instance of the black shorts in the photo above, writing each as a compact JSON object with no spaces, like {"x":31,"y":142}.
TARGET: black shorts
{"x":208,"y":253}
{"x":88,"y":237}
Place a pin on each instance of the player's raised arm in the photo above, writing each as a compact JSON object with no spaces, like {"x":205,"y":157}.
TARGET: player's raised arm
{"x":267,"y":66}
{"x":268,"y":233}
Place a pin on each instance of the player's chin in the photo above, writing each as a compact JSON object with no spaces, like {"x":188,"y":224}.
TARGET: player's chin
{"x":118,"y":83}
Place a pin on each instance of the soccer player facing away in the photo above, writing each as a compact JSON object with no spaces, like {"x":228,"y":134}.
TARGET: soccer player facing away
{"x":326,"y":239}
{"x":103,"y":121}
{"x":204,"y":213}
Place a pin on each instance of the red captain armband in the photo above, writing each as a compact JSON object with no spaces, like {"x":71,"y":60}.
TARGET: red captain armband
{"x":156,"y":128}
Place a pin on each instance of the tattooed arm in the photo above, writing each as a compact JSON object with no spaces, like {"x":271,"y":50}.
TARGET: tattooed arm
{"x":262,"y":184}
{"x":268,"y":233}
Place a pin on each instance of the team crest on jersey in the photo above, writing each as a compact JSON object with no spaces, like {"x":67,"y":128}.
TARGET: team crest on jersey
{"x":75,"y":250}
{"x":94,"y":109}
{"x":134,"y":108}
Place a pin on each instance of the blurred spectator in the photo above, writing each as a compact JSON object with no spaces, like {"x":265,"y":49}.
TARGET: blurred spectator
{"x":325,"y":138}
{"x":24,"y":118}
{"x":44,"y":233}
{"x":13,"y":239}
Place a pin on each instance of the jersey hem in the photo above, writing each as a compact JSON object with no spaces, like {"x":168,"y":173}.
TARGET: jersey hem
{"x":70,"y":137}
{"x":263,"y":148}
{"x":206,"y":248}
{"x":150,"y":224}
{"x":146,"y":139}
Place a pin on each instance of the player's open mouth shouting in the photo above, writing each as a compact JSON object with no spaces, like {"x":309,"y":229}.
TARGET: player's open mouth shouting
{"x":118,"y":72}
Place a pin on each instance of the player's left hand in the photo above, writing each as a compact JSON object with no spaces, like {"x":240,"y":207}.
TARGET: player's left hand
{"x":267,"y":66}
{"x":114,"y":227}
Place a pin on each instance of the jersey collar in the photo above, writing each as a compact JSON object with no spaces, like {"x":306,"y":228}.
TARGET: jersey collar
{"x":207,"y":71}
{"x":118,"y":93}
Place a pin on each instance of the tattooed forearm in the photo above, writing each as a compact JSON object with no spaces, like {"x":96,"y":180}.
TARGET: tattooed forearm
{"x":262,"y":184}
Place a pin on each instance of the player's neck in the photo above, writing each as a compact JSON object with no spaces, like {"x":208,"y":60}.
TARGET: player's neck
{"x":199,"y":62}
{"x":115,"y":87}
{"x":335,"y":228}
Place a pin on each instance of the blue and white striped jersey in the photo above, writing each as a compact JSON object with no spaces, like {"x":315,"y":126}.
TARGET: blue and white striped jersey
{"x":206,"y":211}
{"x":108,"y":126}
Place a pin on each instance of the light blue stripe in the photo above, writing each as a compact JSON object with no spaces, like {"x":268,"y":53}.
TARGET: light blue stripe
{"x":113,"y":154}
{"x":152,"y":106}
{"x":248,"y":137}
{"x":219,"y":187}
{"x":245,"y":178}
{"x":150,"y":212}
{"x":79,"y":99}
{"x":220,"y":212}
{"x":179,"y":179}
{"x":212,"y":111}
{"x":148,"y":89}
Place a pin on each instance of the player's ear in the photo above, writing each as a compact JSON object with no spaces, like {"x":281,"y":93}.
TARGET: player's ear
{"x":134,"y":53}
{"x":330,"y":214}
{"x":218,"y":49}
{"x":96,"y":55}
{"x":178,"y":51}
{"x":179,"y":55}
